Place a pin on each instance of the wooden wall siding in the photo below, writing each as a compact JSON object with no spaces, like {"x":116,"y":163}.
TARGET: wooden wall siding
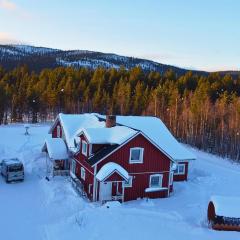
{"x":54,"y":132}
{"x":153,"y":159}
{"x":89,"y":171}
{"x":139,"y":184}
{"x":183,"y":177}
{"x":154,"y":162}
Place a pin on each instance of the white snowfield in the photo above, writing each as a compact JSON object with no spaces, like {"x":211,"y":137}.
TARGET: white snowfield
{"x":41,"y":210}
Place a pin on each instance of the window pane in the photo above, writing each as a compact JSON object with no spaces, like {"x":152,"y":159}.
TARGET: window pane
{"x":135,"y":154}
{"x":155,"y":181}
{"x":181,"y":168}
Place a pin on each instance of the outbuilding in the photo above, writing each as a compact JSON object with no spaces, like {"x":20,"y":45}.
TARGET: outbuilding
{"x":224,"y":213}
{"x":56,"y":156}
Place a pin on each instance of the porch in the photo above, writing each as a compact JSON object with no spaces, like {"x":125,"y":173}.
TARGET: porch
{"x":111,"y":180}
{"x":57,"y":162}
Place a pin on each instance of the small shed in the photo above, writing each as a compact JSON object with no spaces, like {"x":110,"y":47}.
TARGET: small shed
{"x":57,"y":156}
{"x":224,"y":213}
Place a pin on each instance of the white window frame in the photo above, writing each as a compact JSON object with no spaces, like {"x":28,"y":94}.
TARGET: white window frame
{"x":176,"y":172}
{"x":73,"y":167}
{"x":141,"y":155}
{"x":129,"y":184}
{"x":58,"y":131}
{"x":160,"y":180}
{"x":83,"y":173}
{"x":84,"y":152}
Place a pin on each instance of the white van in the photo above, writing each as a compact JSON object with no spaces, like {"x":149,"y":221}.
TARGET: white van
{"x":12,"y":170}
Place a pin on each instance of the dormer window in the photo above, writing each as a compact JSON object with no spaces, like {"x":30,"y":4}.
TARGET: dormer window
{"x":84,"y":148}
{"x":58,"y":131}
{"x":136,"y":155}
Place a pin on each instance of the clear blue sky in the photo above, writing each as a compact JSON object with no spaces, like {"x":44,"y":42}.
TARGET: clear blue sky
{"x":198,"y":34}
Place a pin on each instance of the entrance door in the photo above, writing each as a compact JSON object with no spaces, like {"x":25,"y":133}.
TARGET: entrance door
{"x":105,"y":191}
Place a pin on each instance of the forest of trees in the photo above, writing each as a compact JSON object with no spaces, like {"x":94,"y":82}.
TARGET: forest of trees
{"x":203,"y":111}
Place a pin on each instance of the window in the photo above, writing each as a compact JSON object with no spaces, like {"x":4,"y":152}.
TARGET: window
{"x":58,"y":131}
{"x":136,"y":155}
{"x":129,"y":182}
{"x":180,"y":170}
{"x":89,"y":188}
{"x":156,"y":181}
{"x":84,"y":148}
{"x":73,"y":167}
{"x":83,"y":173}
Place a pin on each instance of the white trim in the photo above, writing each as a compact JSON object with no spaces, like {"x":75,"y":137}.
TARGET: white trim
{"x":84,"y":152}
{"x":140,"y":160}
{"x":180,"y":173}
{"x":83,"y":173}
{"x":130,"y":182}
{"x":148,"y":172}
{"x":160,"y":180}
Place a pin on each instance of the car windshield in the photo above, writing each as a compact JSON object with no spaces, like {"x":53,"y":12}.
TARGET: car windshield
{"x":15,"y":168}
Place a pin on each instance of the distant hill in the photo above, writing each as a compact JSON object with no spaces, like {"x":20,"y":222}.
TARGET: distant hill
{"x":38,"y":58}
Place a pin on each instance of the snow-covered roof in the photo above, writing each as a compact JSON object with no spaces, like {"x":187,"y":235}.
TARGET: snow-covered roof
{"x":75,"y":123}
{"x":11,"y":161}
{"x":113,"y":135}
{"x":56,"y":148}
{"x":156,"y":130}
{"x":226,"y":206}
{"x":109,"y":168}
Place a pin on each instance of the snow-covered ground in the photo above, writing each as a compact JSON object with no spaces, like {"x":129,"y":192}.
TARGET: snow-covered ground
{"x":38,"y":209}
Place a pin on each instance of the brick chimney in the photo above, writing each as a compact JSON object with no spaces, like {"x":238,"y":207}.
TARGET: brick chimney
{"x":110,"y":121}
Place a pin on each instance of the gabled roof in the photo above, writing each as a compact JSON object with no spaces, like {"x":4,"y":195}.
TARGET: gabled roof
{"x":93,"y":126}
{"x":56,"y":148}
{"x":109,"y":168}
{"x":158,"y":133}
{"x":73,"y":124}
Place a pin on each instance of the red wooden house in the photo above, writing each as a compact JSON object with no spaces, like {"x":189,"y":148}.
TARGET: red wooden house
{"x":122,"y":158}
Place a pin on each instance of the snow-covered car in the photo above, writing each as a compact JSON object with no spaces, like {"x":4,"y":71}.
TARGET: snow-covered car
{"x":12,"y":170}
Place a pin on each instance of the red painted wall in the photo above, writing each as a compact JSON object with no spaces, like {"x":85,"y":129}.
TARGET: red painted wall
{"x":182,"y":177}
{"x":81,"y":162}
{"x":154,"y":162}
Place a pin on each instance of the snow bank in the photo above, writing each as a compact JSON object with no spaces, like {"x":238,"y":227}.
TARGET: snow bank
{"x":110,"y":168}
{"x":226,"y":206}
